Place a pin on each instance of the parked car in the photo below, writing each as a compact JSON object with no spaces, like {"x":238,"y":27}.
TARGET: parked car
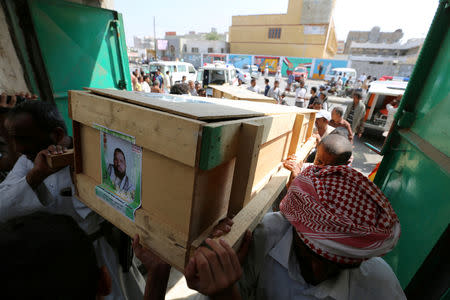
{"x":344,"y":73}
{"x":298,"y":72}
{"x":177,"y":70}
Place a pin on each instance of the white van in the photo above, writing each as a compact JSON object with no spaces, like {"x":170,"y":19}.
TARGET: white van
{"x":342,"y":72}
{"x":217,"y":73}
{"x":177,"y":70}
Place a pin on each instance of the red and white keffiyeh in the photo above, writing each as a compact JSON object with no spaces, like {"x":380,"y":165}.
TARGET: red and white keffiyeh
{"x":340,"y":214}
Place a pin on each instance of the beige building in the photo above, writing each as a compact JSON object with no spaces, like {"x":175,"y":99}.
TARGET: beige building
{"x":306,"y":30}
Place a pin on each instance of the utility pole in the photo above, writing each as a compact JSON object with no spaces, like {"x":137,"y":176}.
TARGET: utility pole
{"x":154,"y":33}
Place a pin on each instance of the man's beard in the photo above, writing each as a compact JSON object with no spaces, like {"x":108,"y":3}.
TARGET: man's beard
{"x":121,"y":175}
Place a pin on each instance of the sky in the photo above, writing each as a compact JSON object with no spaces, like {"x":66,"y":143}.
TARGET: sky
{"x":412,"y":16}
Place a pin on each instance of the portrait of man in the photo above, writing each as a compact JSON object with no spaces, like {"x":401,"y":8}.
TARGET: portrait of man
{"x":117,"y":172}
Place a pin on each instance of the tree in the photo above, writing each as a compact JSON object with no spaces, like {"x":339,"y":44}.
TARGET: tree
{"x":212,"y":36}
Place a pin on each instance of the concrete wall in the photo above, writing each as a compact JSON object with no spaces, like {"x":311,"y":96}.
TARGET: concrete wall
{"x":11,"y":73}
{"x":379,"y":70}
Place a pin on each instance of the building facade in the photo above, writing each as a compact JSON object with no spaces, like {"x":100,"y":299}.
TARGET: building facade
{"x":374,"y":36}
{"x":306,"y":30}
{"x":177,"y":47}
{"x":379,"y":59}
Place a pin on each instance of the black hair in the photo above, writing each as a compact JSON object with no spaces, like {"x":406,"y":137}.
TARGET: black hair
{"x":276,"y":81}
{"x":314,"y":89}
{"x":45,"y":115}
{"x":338,"y":146}
{"x":179,"y":89}
{"x":167,"y":72}
{"x":120,"y":151}
{"x":266,"y":80}
{"x":145,"y":77}
{"x":357,"y":95}
{"x":339,"y":110}
{"x":46,"y":256}
{"x":253,"y":79}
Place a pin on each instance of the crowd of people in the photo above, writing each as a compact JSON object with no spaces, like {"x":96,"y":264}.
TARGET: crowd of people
{"x":163,"y":84}
{"x":324,"y":241}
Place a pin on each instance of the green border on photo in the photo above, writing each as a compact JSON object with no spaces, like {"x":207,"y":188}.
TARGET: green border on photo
{"x":106,"y":191}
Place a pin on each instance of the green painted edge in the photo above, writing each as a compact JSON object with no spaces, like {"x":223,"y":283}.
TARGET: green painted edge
{"x":210,"y":151}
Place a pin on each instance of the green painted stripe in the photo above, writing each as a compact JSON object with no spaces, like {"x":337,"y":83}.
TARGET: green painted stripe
{"x":211,"y":154}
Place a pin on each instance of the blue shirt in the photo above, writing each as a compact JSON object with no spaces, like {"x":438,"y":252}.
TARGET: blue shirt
{"x":266,"y":90}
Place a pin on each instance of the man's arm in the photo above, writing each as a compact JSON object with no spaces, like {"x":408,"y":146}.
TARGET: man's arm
{"x":158,"y":272}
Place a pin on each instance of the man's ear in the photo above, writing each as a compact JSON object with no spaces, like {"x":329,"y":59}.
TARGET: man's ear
{"x":104,"y":282}
{"x":58,"y":135}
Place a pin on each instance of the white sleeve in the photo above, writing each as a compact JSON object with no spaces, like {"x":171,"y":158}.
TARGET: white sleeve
{"x":19,"y":199}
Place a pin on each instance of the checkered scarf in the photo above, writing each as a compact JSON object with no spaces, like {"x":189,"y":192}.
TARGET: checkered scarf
{"x":340,"y":214}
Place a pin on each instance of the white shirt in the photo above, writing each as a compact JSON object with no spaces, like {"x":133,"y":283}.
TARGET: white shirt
{"x":145,"y":87}
{"x":275,"y":93}
{"x":272,"y":271}
{"x":166,"y":81}
{"x":255,"y":89}
{"x":19,"y":199}
{"x":390,"y":117}
{"x":300,"y":94}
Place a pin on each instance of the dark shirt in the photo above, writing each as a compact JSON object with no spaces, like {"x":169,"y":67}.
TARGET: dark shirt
{"x":266,"y":90}
{"x":311,"y":100}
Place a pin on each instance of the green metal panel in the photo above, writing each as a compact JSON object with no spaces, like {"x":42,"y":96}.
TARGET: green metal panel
{"x":415,"y":171}
{"x":81,"y":46}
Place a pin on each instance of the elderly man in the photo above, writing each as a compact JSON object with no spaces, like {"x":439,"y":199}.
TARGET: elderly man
{"x":192,"y":89}
{"x":324,"y":243}
{"x":323,"y":118}
{"x":355,"y":114}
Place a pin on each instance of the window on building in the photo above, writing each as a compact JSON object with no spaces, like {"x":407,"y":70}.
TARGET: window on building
{"x":210,"y":50}
{"x":184,"y":48}
{"x":194,"y":50}
{"x":274,"y":33}
{"x":222,"y":50}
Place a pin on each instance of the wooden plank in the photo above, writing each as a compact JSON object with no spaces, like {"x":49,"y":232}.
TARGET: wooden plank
{"x":77,"y":146}
{"x":244,"y":171}
{"x":199,"y":108}
{"x":250,"y":216}
{"x":172,"y":136}
{"x":312,"y":120}
{"x":240,"y":93}
{"x":303,"y":151}
{"x":58,"y":161}
{"x":296,"y":133}
{"x":211,"y":196}
{"x":271,"y":154}
{"x":220,"y":140}
{"x":154,"y":234}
